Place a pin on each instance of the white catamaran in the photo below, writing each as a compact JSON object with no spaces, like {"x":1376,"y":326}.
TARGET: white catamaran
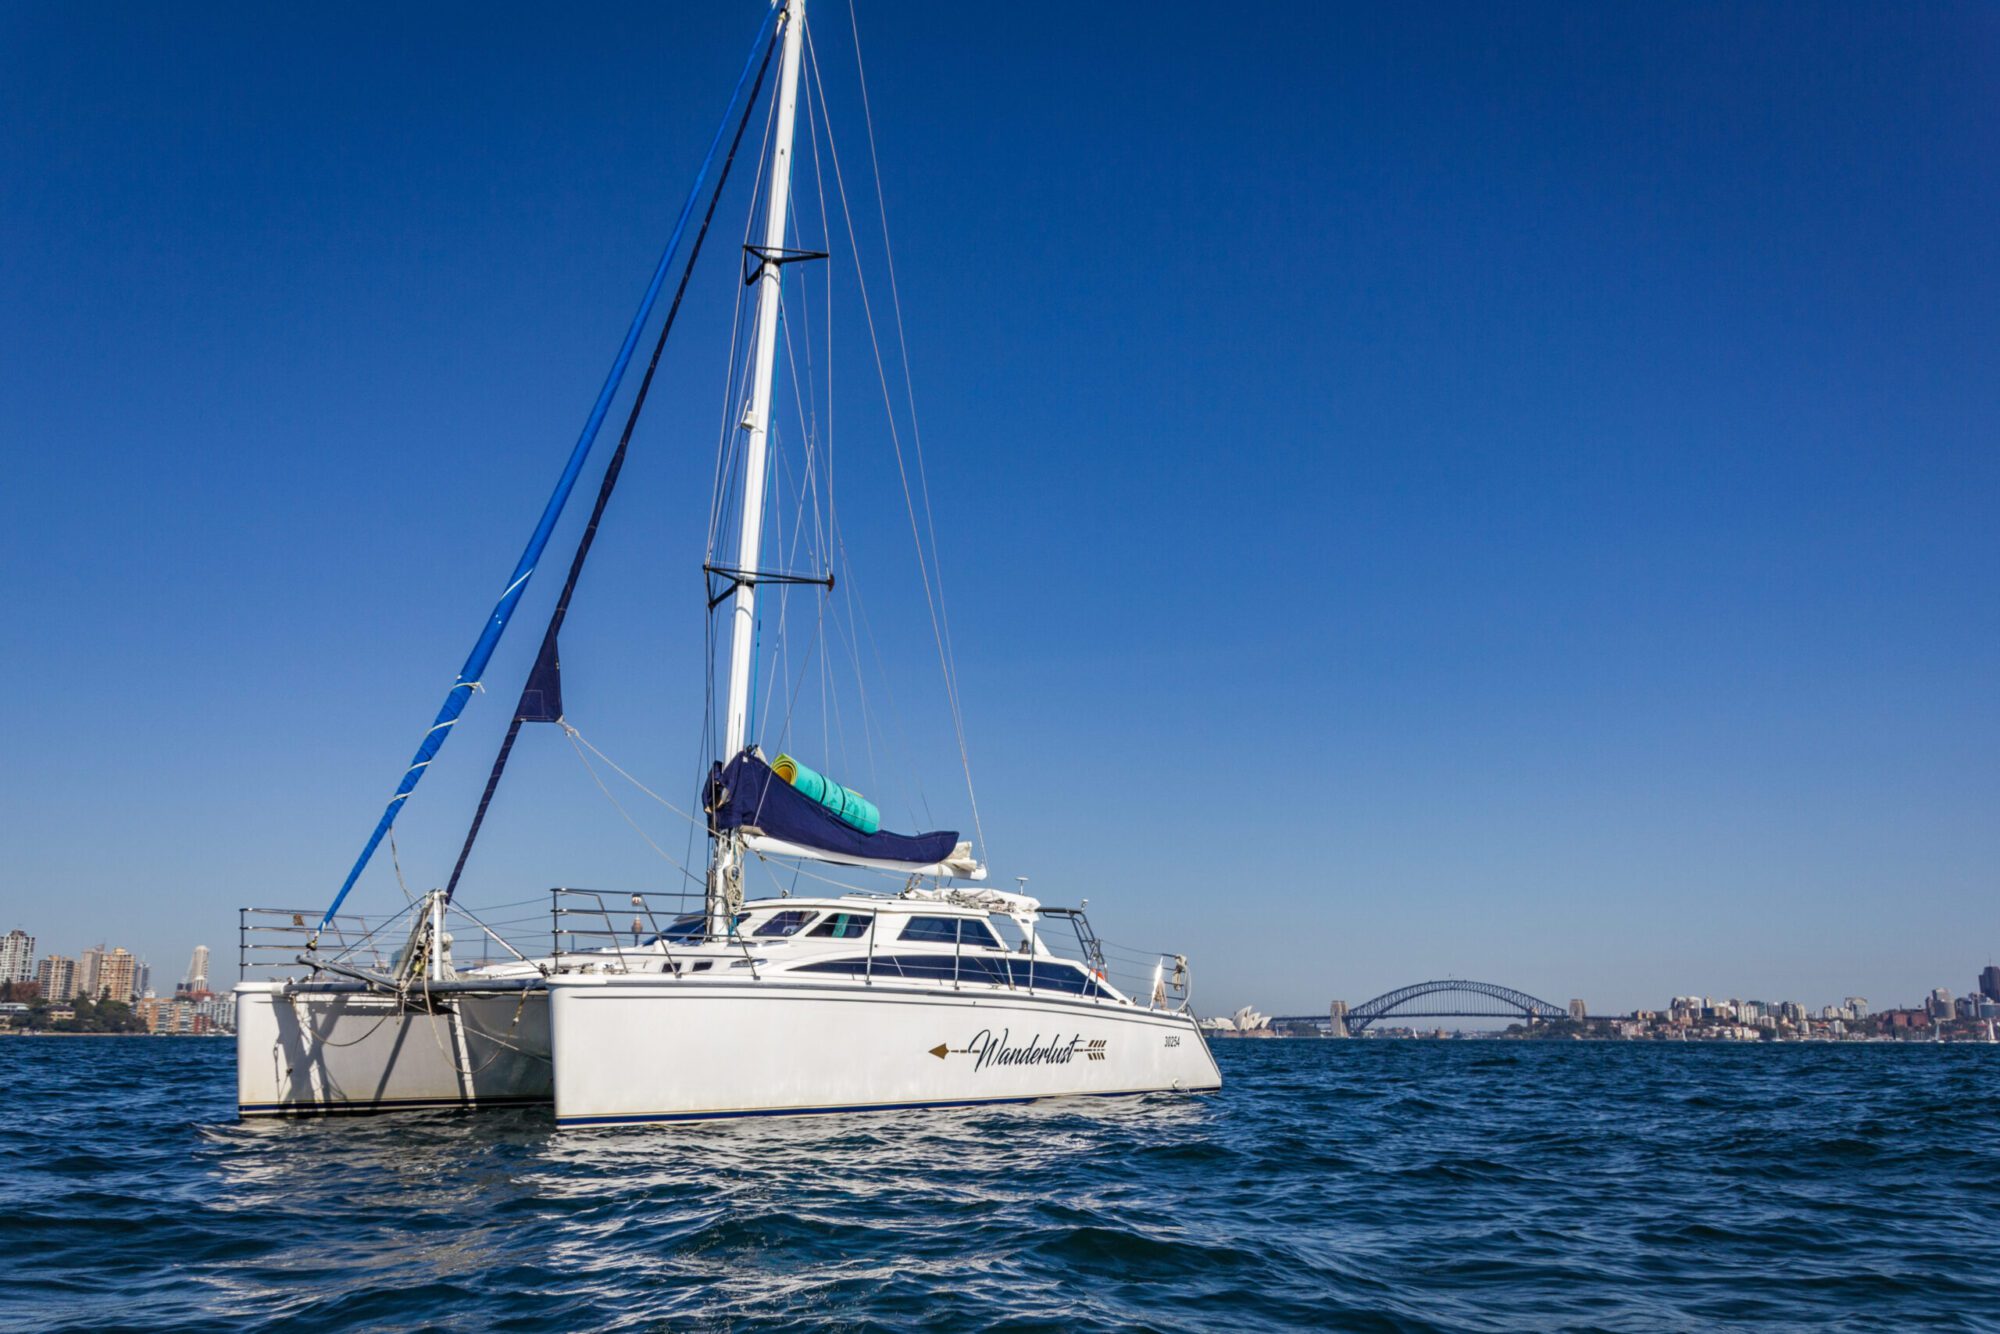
{"x":933,"y":991}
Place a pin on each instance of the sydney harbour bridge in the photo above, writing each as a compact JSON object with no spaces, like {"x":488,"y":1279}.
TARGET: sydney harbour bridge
{"x":1444,"y":998}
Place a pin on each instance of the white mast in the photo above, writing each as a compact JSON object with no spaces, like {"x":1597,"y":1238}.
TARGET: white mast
{"x":724,"y":881}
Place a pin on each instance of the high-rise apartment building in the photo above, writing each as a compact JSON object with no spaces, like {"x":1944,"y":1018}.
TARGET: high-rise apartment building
{"x":17,"y":956}
{"x":1989,"y":982}
{"x":88,"y":969}
{"x":118,"y":976}
{"x":57,"y":978}
{"x":197,"y":974}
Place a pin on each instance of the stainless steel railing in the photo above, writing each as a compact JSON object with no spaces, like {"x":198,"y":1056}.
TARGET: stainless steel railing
{"x":581,"y":923}
{"x":269,"y":940}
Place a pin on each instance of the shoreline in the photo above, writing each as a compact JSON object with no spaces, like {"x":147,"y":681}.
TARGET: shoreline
{"x":43,"y":1033}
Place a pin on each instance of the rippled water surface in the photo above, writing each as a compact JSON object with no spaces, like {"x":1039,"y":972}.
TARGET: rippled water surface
{"x":1347,"y":1185}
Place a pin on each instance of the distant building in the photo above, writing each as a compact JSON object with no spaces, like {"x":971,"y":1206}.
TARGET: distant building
{"x":88,"y":969}
{"x":1857,"y":1006}
{"x":1249,"y":1021}
{"x":1578,"y":1010}
{"x":17,"y":957}
{"x":1989,"y":982}
{"x":142,"y":979}
{"x":57,"y":977}
{"x":197,"y":974}
{"x":118,"y":976}
{"x":1892,"y":1020}
{"x":179,"y":1015}
{"x":221,"y":1012}
{"x":1940,"y":1003}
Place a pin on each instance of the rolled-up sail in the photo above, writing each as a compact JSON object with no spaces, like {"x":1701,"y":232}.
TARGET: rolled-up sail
{"x":779,"y":819}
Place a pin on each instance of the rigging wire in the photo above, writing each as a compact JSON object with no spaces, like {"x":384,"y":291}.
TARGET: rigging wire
{"x":576,"y":735}
{"x":948,"y":656}
{"x":548,"y":653}
{"x":397,"y":862}
{"x":665,"y":856}
{"x":932,"y":595}
{"x":467,"y":682}
{"x":734,"y":386}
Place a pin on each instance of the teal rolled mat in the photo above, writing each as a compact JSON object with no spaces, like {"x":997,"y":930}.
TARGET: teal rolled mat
{"x":848,"y":806}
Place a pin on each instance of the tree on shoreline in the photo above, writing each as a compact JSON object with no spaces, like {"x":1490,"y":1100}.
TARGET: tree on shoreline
{"x":101,"y":1016}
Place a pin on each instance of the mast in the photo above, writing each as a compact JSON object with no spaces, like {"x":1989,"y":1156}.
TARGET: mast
{"x":725,"y":874}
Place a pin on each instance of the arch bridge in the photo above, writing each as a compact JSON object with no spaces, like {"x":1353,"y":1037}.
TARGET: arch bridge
{"x":1448,"y":998}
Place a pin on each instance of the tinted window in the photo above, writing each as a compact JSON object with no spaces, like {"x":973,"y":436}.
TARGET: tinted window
{"x":843,"y":926}
{"x":1052,"y":975}
{"x":683,"y":929}
{"x":1049,"y":974}
{"x":950,"y":931}
{"x":981,"y":968}
{"x":939,"y":930}
{"x":850,"y":966}
{"x":787,"y":923}
{"x":688,"y":930}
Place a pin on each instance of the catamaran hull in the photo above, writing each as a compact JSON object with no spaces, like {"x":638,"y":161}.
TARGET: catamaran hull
{"x":305,"y":1052}
{"x":630,"y":1051}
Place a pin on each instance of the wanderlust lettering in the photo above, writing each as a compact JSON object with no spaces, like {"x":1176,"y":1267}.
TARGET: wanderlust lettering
{"x":989,"y":1048}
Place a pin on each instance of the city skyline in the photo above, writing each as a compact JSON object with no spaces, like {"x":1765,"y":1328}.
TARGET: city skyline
{"x":105,"y":989}
{"x":100,"y":969}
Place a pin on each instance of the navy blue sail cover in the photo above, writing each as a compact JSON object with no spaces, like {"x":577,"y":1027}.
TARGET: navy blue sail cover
{"x":746,"y":794}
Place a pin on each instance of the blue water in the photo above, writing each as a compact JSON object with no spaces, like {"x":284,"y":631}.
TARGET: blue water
{"x":1352,"y":1185}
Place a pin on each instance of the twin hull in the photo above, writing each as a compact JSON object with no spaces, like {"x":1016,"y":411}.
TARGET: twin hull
{"x":610,"y":1050}
{"x":635,"y":1049}
{"x":304,"y":1050}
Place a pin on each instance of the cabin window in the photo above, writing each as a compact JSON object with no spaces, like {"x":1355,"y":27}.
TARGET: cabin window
{"x":940,"y":930}
{"x":976,"y":932}
{"x":1055,"y":975}
{"x":983,"y":968}
{"x":787,"y":923}
{"x":683,"y":929}
{"x":950,"y":931}
{"x":1051,"y":975}
{"x":843,"y":926}
{"x":854,"y":967}
{"x":689,"y":930}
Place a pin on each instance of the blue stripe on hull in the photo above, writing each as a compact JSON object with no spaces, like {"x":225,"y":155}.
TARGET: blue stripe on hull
{"x":570,"y":1122}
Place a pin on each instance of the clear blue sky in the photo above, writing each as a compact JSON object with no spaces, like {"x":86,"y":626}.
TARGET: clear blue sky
{"x":1506,"y":491}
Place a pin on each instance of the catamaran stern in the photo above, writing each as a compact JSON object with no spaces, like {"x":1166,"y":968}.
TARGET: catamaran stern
{"x":339,"y":1048}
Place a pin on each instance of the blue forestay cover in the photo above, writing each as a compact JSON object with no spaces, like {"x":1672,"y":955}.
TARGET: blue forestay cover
{"x":746,"y":794}
{"x":489,"y":637}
